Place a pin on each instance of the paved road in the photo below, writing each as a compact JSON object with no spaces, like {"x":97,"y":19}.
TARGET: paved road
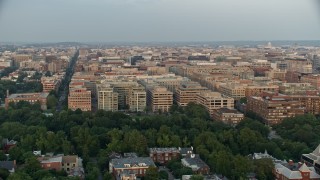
{"x":69,"y":73}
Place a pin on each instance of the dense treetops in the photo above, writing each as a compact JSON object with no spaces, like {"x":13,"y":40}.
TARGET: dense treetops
{"x":96,"y":135}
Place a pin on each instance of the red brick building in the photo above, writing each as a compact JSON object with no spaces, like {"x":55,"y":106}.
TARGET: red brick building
{"x":163,"y":155}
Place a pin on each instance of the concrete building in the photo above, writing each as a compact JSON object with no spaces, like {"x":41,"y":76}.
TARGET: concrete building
{"x":137,"y":99}
{"x":313,"y":79}
{"x":159,"y":99}
{"x":228,"y":116}
{"x":107,"y":98}
{"x":50,"y":83}
{"x":187,"y":92}
{"x":233,"y":90}
{"x":298,"y":89}
{"x":258,"y":89}
{"x":214,"y":100}
{"x":273,"y":108}
{"x":32,"y":98}
{"x":300,"y":65}
{"x":79,"y":97}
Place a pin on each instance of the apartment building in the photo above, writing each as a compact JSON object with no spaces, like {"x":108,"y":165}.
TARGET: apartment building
{"x":214,"y":100}
{"x":79,"y":97}
{"x":273,"y":108}
{"x":228,"y":116}
{"x":299,"y":64}
{"x":50,"y":83}
{"x":187,"y":92}
{"x":234,"y":90}
{"x":137,"y":99}
{"x":159,"y":99}
{"x":312,"y":159}
{"x":298,"y":89}
{"x":131,"y":95}
{"x":32,"y":98}
{"x":258,"y":89}
{"x":313,"y":79}
{"x":107,"y":97}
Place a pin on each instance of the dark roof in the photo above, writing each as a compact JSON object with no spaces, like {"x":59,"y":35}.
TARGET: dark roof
{"x":9,"y":165}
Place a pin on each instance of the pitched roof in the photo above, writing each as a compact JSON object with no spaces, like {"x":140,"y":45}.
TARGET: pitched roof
{"x":304,"y":168}
{"x":317,"y":151}
{"x":69,"y":159}
{"x":9,"y":165}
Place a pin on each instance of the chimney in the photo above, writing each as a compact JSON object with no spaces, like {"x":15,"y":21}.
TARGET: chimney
{"x":291,"y":162}
{"x":8,"y":93}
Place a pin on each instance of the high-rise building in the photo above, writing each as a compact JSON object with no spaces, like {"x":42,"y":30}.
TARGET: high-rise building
{"x":214,"y":100}
{"x":159,"y":99}
{"x":107,"y":98}
{"x":187,"y":92}
{"x":79,"y":97}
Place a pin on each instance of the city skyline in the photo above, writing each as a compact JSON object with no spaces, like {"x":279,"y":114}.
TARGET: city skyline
{"x":158,"y":20}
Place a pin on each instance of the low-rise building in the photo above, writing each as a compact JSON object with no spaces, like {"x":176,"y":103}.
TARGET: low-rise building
{"x":294,"y":171}
{"x":228,"y":116}
{"x":32,"y":98}
{"x":273,"y":108}
{"x":312,"y":159}
{"x":196,"y":164}
{"x":8,"y":165}
{"x":132,"y":165}
{"x":163,"y":155}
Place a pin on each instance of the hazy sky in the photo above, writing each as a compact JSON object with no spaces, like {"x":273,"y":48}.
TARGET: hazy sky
{"x":158,"y":20}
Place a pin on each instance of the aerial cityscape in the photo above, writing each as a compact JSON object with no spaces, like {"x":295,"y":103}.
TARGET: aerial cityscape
{"x":112,"y":99}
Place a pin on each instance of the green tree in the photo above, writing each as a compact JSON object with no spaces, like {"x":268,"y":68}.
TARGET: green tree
{"x":4,"y":173}
{"x":152,"y":173}
{"x":196,"y":177}
{"x":19,"y":176}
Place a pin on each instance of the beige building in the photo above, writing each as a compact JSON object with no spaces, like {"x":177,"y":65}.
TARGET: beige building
{"x":107,"y":98}
{"x":137,"y":99}
{"x":214,"y":100}
{"x":234,"y":90}
{"x":228,"y":116}
{"x":159,"y":99}
{"x":32,"y":98}
{"x":187,"y":92}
